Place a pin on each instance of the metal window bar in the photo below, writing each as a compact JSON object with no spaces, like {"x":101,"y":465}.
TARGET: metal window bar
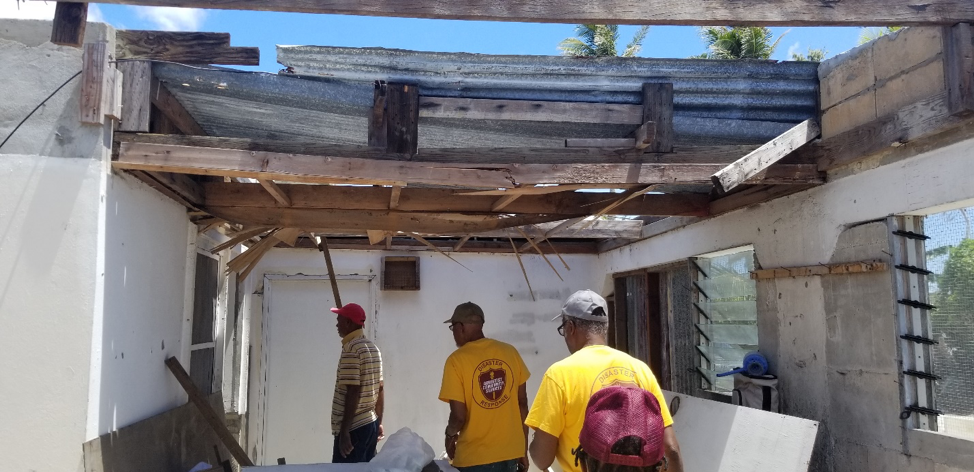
{"x":908,"y":250}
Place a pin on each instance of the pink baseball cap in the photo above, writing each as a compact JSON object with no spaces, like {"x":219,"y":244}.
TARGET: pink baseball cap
{"x":614,"y":413}
{"x":352,"y":311}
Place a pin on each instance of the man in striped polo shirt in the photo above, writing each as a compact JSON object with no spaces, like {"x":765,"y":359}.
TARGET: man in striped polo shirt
{"x":356,"y":411}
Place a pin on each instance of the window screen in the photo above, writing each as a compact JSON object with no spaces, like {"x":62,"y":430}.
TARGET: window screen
{"x":950,"y":256}
{"x":726,"y":319}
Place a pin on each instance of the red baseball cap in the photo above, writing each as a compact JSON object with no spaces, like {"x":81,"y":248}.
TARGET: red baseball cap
{"x":614,"y":413}
{"x":352,"y":311}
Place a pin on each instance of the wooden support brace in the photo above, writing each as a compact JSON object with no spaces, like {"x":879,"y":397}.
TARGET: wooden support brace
{"x":323,"y":247}
{"x":275,"y":191}
{"x":461,"y":242}
{"x":658,"y":108}
{"x":394,"y":196}
{"x":167,"y":103}
{"x":614,"y":143}
{"x":763,"y":157}
{"x":959,"y":68}
{"x":377,"y":119}
{"x":540,"y":252}
{"x":212,"y":417}
{"x":402,"y":118}
{"x":433,"y":247}
{"x":504,"y":201}
{"x":70,"y":20}
{"x":645,"y":135}
{"x":95,"y":86}
{"x":830,"y":269}
{"x":523,"y":270}
{"x":136,"y":105}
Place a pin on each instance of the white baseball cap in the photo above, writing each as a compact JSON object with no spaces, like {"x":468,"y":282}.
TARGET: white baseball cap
{"x":582,"y":305}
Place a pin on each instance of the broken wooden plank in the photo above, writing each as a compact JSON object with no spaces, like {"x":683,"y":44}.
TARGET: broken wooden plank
{"x":94,"y":86}
{"x":636,"y":12}
{"x":488,"y":246}
{"x":529,"y":110}
{"x":136,"y":103}
{"x":601,"y":229}
{"x":540,"y":252}
{"x":167,"y":103}
{"x":310,"y":169}
{"x":183,"y":47}
{"x":824,"y":269}
{"x":612,"y":143}
{"x":402,"y":118}
{"x":433,"y":247}
{"x":645,"y":135}
{"x":376,"y":236}
{"x":240,"y":237}
{"x":523,"y":270}
{"x":658,"y":108}
{"x":504,"y":201}
{"x":447,"y":200}
{"x":211,"y":416}
{"x":720,"y":154}
{"x":70,"y":20}
{"x":460,"y":243}
{"x":763,"y":157}
{"x":394,"y":197}
{"x":322,"y":243}
{"x":275,"y":191}
{"x":959,"y":68}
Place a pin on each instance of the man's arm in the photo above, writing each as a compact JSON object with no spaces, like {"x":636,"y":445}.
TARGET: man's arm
{"x":522,"y":402}
{"x":543,"y":448}
{"x":353,"y":393}
{"x":674,"y":461}
{"x":380,"y":406}
{"x":458,"y":418}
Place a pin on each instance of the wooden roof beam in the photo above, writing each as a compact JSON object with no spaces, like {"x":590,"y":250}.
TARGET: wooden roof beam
{"x":183,"y":47}
{"x":763,"y":157}
{"x":637,"y":12}
{"x":70,"y":19}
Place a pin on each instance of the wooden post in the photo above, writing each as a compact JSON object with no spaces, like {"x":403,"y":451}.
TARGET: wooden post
{"x":402,"y":118}
{"x":658,"y":108}
{"x":959,"y":68}
{"x":136,"y":104}
{"x":70,"y":19}
{"x":377,"y":119}
{"x":323,"y":247}
{"x":94,"y":67}
{"x":211,"y":416}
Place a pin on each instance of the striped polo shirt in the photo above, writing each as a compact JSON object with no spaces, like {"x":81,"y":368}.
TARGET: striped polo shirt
{"x":360,"y":364}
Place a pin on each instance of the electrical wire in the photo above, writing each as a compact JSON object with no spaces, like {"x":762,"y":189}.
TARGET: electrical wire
{"x":39,"y":105}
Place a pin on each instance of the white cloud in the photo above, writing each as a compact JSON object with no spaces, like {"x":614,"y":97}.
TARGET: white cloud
{"x":795,"y":48}
{"x":172,"y":18}
{"x":94,"y":14}
{"x":27,"y":10}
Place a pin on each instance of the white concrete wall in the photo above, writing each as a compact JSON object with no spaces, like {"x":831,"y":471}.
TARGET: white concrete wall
{"x":802,"y":320}
{"x":410,"y":329}
{"x":92,"y":265}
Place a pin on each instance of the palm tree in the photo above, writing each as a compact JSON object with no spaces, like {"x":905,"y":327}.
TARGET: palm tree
{"x":738,"y":42}
{"x":870,"y":34}
{"x":600,"y":41}
{"x":814,"y":55}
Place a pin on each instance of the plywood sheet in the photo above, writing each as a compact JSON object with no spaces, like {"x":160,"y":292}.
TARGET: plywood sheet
{"x":720,"y":437}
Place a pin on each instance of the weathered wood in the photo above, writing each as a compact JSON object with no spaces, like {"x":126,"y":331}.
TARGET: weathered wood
{"x":94,"y":74}
{"x":241,"y":237}
{"x":376,"y":236}
{"x":825,"y":269}
{"x":602,"y":229}
{"x":763,"y":157}
{"x":70,"y":20}
{"x":523,"y":270}
{"x":658,"y":108}
{"x":600,"y":155}
{"x":645,"y":135}
{"x":491,"y":246}
{"x":959,"y":68}
{"x":377,"y":120}
{"x":402,"y":118}
{"x":540,"y":252}
{"x":310,"y":169}
{"x":275,"y":191}
{"x":211,"y":416}
{"x":446,"y":200}
{"x":322,"y":243}
{"x":154,"y":179}
{"x":183,"y":47}
{"x":529,"y":110}
{"x":433,"y":247}
{"x":460,"y":243}
{"x":504,"y":201}
{"x":136,"y":104}
{"x":358,"y":222}
{"x":753,"y":196}
{"x":394,"y":197}
{"x":638,"y":12}
{"x":612,"y":143}
{"x":167,"y":103}
{"x":924,"y":118}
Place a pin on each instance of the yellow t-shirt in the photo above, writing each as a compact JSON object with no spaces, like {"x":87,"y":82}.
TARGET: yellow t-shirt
{"x":485,"y":375}
{"x":559,"y":407}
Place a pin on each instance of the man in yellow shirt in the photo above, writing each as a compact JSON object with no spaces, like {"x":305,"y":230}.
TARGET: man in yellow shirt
{"x":484,"y":383}
{"x":559,"y":408}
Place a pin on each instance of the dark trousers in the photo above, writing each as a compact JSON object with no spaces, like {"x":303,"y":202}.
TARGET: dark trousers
{"x":364,"y":439}
{"x":503,"y":466}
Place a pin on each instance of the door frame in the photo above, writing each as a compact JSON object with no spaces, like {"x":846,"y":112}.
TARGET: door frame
{"x":261,"y":400}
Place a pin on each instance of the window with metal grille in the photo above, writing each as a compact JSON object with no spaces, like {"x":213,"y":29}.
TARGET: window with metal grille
{"x":400,"y":273}
{"x":726,"y":314}
{"x":949,"y":257}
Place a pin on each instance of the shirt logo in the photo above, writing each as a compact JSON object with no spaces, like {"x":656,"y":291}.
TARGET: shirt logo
{"x":492,"y":386}
{"x":614,"y":377}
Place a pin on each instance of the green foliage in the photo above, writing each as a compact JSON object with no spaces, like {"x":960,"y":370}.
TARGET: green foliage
{"x":600,"y":41}
{"x":870,"y":34}
{"x":814,"y":55}
{"x":955,"y":295}
{"x":738,"y":42}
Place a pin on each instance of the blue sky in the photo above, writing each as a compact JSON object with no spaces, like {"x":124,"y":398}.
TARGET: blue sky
{"x":267,"y":29}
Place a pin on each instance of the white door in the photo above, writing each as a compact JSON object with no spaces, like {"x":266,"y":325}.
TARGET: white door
{"x":301,"y":349}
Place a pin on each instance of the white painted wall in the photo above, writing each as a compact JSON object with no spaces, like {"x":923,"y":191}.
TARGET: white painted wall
{"x":92,"y":265}
{"x":799,"y":330}
{"x":410,"y":330}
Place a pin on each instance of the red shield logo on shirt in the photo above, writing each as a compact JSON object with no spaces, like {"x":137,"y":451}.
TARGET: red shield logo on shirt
{"x":492,"y":383}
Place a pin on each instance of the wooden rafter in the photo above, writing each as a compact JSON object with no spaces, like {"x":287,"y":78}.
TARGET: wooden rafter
{"x":504,"y":201}
{"x":491,"y":245}
{"x":640,"y":12}
{"x":183,"y":47}
{"x":70,"y":19}
{"x":540,"y":253}
{"x":445,"y":200}
{"x":523,"y":270}
{"x":394,"y":197}
{"x":275,"y":191}
{"x":433,"y":247}
{"x":310,"y":169}
{"x":528,"y":110}
{"x":167,"y":103}
{"x":763,"y":157}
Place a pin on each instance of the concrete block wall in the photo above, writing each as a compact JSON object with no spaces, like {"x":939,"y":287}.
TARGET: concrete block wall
{"x":880,"y":77}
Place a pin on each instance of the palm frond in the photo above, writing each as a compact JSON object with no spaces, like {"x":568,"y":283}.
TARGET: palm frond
{"x":576,"y":48}
{"x":636,"y":44}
